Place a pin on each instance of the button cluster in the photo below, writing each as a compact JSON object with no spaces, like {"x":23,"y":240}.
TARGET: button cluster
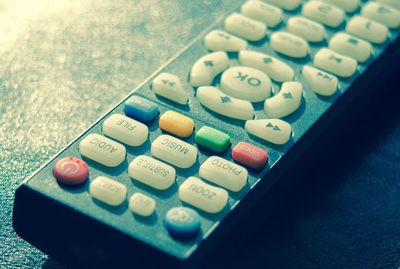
{"x":234,"y":95}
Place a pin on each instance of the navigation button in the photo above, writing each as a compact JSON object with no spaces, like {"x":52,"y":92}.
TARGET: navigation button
{"x":275,"y":131}
{"x":274,"y":68}
{"x":286,"y":102}
{"x":246,"y":83}
{"x":319,"y":81}
{"x":207,"y":67}
{"x":170,"y":87}
{"x":217,"y":101}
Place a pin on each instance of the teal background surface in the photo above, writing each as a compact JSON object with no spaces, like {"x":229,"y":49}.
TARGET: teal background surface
{"x":65,"y":63}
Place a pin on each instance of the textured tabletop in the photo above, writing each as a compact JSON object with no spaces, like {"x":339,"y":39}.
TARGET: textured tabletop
{"x":66,"y":62}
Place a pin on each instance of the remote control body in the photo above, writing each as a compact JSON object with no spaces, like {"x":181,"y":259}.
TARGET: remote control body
{"x":71,"y":223}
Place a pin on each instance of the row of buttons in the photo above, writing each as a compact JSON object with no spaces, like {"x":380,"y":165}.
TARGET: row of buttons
{"x":154,"y":171}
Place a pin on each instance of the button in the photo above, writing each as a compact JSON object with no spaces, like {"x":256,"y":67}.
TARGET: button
{"x":274,"y":131}
{"x":382,"y":13}
{"x":207,"y":67}
{"x":217,"y":101}
{"x":335,"y":63}
{"x":174,"y":151}
{"x":212,"y":139}
{"x":176,"y":123}
{"x":142,"y":204}
{"x":125,"y":130}
{"x":285,"y":4}
{"x":182,"y":222}
{"x":319,"y":81}
{"x":262,"y":12}
{"x":108,"y":191}
{"x":323,"y":13}
{"x":289,"y":45}
{"x":286,"y":102}
{"x":351,"y":46}
{"x":246,"y":83}
{"x":346,"y":5}
{"x":71,"y":171}
{"x":141,"y":109}
{"x":305,"y":28}
{"x":202,"y":195}
{"x":102,"y":150}
{"x":224,"y":173}
{"x":249,"y":155}
{"x":367,"y":29}
{"x":170,"y":87}
{"x":274,"y":68}
{"x":152,"y":172}
{"x":244,"y":27}
{"x":218,"y":40}
{"x":393,"y":3}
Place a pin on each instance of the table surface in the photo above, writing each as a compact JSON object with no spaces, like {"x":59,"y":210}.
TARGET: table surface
{"x":64,"y":63}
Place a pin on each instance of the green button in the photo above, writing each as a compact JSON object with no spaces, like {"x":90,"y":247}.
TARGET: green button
{"x":212,"y":139}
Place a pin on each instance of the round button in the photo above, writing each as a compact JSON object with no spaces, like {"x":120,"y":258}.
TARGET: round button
{"x":182,"y":222}
{"x":71,"y":171}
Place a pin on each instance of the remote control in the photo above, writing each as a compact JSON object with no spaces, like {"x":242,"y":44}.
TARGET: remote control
{"x":163,"y":175}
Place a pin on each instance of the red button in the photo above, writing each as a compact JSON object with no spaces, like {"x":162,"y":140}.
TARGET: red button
{"x":250,"y":155}
{"x":71,"y":171}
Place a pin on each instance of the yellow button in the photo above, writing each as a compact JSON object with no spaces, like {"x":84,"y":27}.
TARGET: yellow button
{"x":176,"y":123}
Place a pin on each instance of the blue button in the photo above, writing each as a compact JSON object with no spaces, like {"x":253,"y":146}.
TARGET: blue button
{"x":182,"y":222}
{"x":141,"y":109}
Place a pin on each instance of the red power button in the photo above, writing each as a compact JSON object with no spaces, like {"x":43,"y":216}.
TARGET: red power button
{"x":71,"y":171}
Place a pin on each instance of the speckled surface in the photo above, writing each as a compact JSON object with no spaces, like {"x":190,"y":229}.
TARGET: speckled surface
{"x":64,"y":63}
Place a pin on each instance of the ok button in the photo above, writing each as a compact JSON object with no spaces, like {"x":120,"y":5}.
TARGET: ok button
{"x":246,"y":83}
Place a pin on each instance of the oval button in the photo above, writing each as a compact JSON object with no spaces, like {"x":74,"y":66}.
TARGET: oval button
{"x":346,"y":5}
{"x":289,"y":45}
{"x":125,"y":130}
{"x":305,"y":28}
{"x":176,"y":123}
{"x":217,"y":101}
{"x":382,"y":14}
{"x":286,"y":102}
{"x":152,"y":172}
{"x":108,"y":191}
{"x":274,"y":68}
{"x":170,"y":87}
{"x":351,"y":46}
{"x":320,"y":81}
{"x":367,"y":29}
{"x":224,"y":173}
{"x":324,"y":13}
{"x":182,"y":222}
{"x":262,"y":12}
{"x":207,"y":67}
{"x":244,"y":27}
{"x":102,"y":150}
{"x":218,"y":40}
{"x":275,"y":131}
{"x":335,"y":63}
{"x":174,"y":151}
{"x":246,"y":83}
{"x":202,"y":195}
{"x":250,"y":155}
